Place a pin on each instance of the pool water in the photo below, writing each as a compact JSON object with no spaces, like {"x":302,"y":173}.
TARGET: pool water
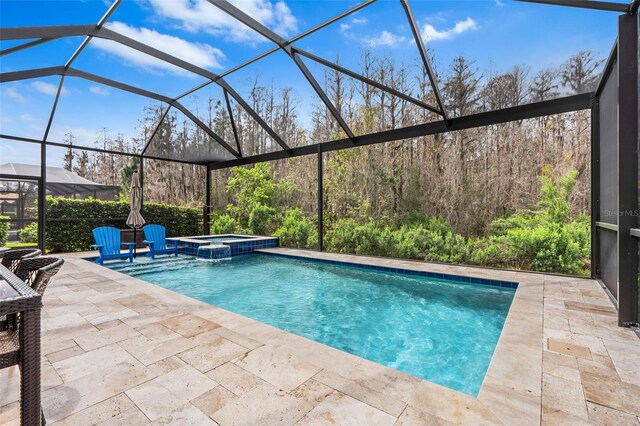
{"x":438,"y":330}
{"x":220,"y":240}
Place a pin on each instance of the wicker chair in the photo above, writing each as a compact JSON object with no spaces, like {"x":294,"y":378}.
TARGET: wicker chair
{"x":12,"y":257}
{"x":35,"y":272}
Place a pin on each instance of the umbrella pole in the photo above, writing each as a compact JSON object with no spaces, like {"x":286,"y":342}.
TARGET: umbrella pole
{"x":135,"y":241}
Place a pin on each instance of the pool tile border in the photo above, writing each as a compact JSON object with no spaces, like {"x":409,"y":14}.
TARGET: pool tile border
{"x":402,"y":271}
{"x":249,"y":243}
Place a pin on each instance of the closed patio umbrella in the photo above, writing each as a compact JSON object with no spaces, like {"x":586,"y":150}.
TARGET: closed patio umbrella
{"x":135,"y":219}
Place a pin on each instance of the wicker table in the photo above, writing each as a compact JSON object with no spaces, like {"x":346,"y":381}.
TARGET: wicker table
{"x":18,"y":298}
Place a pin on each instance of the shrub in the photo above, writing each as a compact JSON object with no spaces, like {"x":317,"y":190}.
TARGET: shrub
{"x":225,"y":224}
{"x":29,"y":234}
{"x":546,"y":248}
{"x":70,"y":221}
{"x":262,"y":220}
{"x":4,"y":230}
{"x":439,"y":245}
{"x":347,"y":236}
{"x":297,"y":230}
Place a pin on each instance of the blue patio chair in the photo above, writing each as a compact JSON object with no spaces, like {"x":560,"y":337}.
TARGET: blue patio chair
{"x":109,"y":245}
{"x":155,"y":238}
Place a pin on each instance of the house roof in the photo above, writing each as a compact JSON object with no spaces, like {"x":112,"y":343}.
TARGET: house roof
{"x":59,"y":181}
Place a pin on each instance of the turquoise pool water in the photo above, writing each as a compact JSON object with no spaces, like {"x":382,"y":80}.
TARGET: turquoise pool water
{"x":438,"y":330}
{"x":220,"y":240}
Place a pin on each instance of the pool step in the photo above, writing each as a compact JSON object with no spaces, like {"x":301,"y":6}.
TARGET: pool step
{"x":159,"y":264}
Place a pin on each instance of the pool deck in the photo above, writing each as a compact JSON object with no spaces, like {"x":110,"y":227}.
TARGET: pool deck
{"x":120,"y":351}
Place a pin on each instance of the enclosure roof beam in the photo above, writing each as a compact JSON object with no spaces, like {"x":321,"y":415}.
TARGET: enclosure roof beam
{"x":366,"y":80}
{"x":53,"y":109}
{"x":586,"y":4}
{"x":93,"y":149}
{"x":44,"y":72}
{"x":116,"y":85}
{"x":27,"y":45}
{"x":240,"y":100}
{"x":292,"y":40}
{"x":521,"y":112}
{"x":247,"y":20}
{"x":88,"y":38}
{"x":57,"y":31}
{"x":425,"y":57}
{"x":155,"y":130}
{"x":21,"y":75}
{"x":233,"y":122}
{"x":7,"y":77}
{"x":301,"y":35}
{"x":141,"y":47}
{"x":205,"y":128}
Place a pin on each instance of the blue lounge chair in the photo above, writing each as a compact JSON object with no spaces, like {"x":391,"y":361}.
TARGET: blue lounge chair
{"x":155,"y":238}
{"x":109,"y":245}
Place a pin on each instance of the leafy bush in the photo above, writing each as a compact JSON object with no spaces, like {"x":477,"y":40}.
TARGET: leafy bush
{"x":70,"y":221}
{"x":256,"y":188}
{"x":435,"y":245}
{"x":545,"y":240}
{"x":4,"y":230}
{"x":262,"y":220}
{"x":297,"y":230}
{"x":347,"y":236}
{"x":29,"y":234}
{"x":225,"y":224}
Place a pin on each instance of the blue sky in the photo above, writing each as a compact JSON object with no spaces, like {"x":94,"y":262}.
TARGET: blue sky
{"x":497,"y":34}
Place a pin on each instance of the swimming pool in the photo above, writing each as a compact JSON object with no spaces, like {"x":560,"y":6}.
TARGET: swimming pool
{"x":439,"y":330}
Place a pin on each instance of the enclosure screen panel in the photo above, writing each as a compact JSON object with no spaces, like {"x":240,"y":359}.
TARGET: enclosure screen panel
{"x":607,"y":259}
{"x":608,"y":186}
{"x":608,"y":155}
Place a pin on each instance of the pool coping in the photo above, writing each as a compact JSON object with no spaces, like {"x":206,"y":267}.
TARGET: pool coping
{"x":201,"y":239}
{"x":515,"y":370}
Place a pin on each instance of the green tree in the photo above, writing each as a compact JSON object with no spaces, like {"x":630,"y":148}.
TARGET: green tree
{"x":257,"y":196}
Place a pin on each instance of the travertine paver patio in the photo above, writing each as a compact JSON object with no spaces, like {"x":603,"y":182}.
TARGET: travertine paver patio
{"x":121,"y":351}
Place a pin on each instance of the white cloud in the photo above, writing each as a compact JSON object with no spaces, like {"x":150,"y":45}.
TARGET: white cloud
{"x":200,"y":15}
{"x":429,"y":32}
{"x":28,"y":117}
{"x":385,"y":38}
{"x":13,"y":94}
{"x":344,"y":27}
{"x":199,"y":54}
{"x":48,"y":88}
{"x":499,"y":3}
{"x":97,"y":90}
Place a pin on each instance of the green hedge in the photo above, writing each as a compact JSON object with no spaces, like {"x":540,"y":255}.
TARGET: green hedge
{"x":70,"y":222}
{"x":4,"y":230}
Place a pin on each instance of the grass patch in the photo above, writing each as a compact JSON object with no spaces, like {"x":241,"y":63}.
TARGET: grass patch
{"x":20,"y":245}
